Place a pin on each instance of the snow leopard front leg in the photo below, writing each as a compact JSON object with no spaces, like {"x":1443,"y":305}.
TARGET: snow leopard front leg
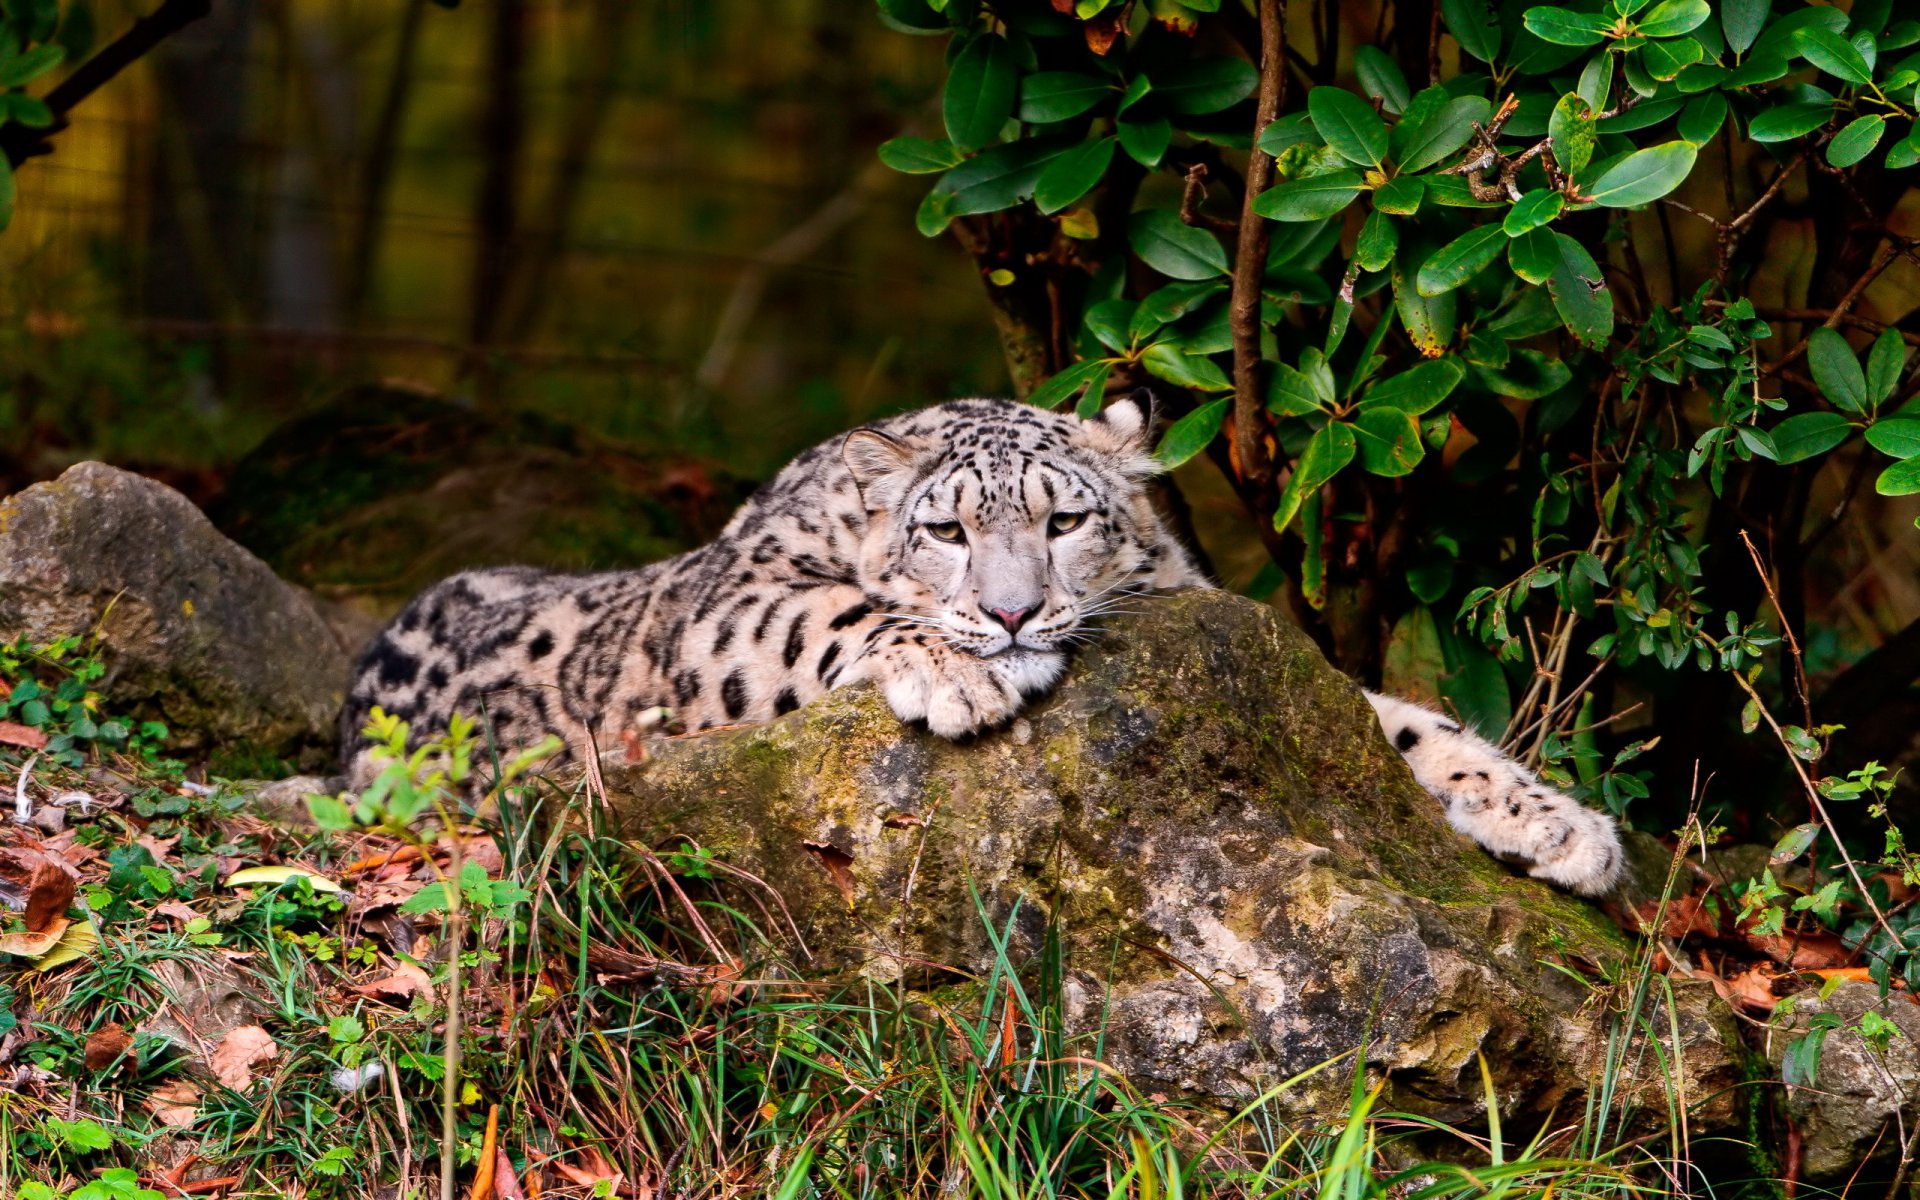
{"x":1500,"y":804}
{"x":954,"y":692}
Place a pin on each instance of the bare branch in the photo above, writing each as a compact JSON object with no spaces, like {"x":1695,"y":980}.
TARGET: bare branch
{"x":1250,"y":459}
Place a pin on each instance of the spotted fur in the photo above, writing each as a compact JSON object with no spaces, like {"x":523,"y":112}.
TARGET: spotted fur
{"x":951,"y":555}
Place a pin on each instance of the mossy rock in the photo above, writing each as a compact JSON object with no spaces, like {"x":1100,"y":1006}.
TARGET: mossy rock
{"x":386,"y":490}
{"x":1247,"y":878}
{"x":194,"y":630}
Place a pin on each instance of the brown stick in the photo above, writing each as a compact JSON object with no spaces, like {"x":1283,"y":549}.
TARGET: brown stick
{"x":1250,"y":460}
{"x":19,"y":143}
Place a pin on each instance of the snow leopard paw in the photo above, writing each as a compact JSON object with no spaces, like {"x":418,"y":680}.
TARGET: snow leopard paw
{"x":958,"y":694}
{"x":1500,"y":804}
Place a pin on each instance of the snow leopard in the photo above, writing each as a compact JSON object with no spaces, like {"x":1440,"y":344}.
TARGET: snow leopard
{"x":951,"y":555}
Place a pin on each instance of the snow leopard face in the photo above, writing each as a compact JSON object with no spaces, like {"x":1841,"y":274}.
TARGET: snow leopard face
{"x":1008,"y":532}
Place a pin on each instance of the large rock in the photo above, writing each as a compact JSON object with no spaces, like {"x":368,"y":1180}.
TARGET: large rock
{"x":196,"y":631}
{"x":1212,"y":818}
{"x":1865,"y":1090}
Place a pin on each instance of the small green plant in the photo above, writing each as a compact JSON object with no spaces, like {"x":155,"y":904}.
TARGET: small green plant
{"x":115,"y":1183}
{"x":48,"y":689}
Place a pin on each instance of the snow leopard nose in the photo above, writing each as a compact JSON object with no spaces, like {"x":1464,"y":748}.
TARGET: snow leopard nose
{"x":1010,"y":619}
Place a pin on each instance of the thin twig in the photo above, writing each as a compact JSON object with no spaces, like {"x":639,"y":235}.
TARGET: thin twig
{"x":1786,"y":629}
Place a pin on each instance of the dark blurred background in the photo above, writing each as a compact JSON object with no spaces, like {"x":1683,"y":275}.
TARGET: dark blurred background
{"x":651,"y":240}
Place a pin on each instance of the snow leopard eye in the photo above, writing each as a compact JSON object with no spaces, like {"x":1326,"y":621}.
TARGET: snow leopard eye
{"x":946,"y":531}
{"x":1065,"y":522}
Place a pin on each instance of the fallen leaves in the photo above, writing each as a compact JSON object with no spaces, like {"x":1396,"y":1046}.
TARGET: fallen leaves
{"x":275,"y":876}
{"x":237,"y":1054}
{"x":15,"y":734}
{"x":175,"y":1103}
{"x":107,"y":1045}
{"x":406,"y":982}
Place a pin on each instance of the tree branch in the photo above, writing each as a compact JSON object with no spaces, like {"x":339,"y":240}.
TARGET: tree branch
{"x":19,"y":143}
{"x":1250,"y":459}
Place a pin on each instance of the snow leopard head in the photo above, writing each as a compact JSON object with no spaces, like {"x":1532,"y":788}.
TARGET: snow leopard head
{"x":1006,"y":527}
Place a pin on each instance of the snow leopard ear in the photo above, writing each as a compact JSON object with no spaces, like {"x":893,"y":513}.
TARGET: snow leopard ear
{"x":1123,"y":428}
{"x":872,"y":456}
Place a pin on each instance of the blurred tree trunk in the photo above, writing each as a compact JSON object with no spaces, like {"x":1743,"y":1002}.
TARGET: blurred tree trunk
{"x":201,"y":236}
{"x":503,"y":131}
{"x":532,"y":258}
{"x":376,"y":169}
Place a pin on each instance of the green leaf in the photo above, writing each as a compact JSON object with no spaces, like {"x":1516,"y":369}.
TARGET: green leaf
{"x":1564,"y":28}
{"x":1068,"y":383}
{"x":1349,"y":125}
{"x":1191,"y":433}
{"x":1742,"y":21}
{"x":1643,"y":176}
{"x":1170,"y":303}
{"x":1388,"y":441}
{"x":1094,"y":396}
{"x":1175,"y":249}
{"x":1175,"y":365}
{"x":1379,"y":238}
{"x":1072,"y":175}
{"x":1109,"y":320}
{"x":1789,"y":121}
{"x":1831,"y":53}
{"x":1057,"y":95}
{"x":1665,"y":60}
{"x":1474,"y":26}
{"x":1794,"y":843}
{"x":1570,"y":133}
{"x":1807,"y":435}
{"x":1000,"y":177}
{"x":979,"y":95}
{"x":1900,"y":479}
{"x":1580,"y":293}
{"x":30,"y":66}
{"x":1144,"y":141}
{"x":1534,"y":255}
{"x":1399,"y":195}
{"x":1326,"y":453}
{"x":1896,"y":437}
{"x":1310,"y":199}
{"x":329,"y":813}
{"x":1287,"y":131}
{"x":1900,"y":155}
{"x":1293,"y":393}
{"x":1429,"y":320}
{"x":1856,"y":141}
{"x":1527,"y":375}
{"x":1886,"y":362}
{"x":1536,"y":208}
{"x":1673,"y":18}
{"x":1460,"y":260}
{"x":1381,"y":78}
{"x":1702,"y":118}
{"x":1205,"y":85}
{"x":920,"y":156}
{"x":1417,"y":389}
{"x":1837,"y":371}
{"x":1435,"y":127}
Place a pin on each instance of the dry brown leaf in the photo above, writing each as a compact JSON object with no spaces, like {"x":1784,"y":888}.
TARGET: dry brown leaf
{"x":406,"y":982}
{"x":234,"y":1058}
{"x":37,"y":882}
{"x":839,"y":865}
{"x":106,"y":1045}
{"x":174,"y":1103}
{"x":158,"y":847}
{"x":178,"y":910}
{"x":33,"y":945}
{"x":13,"y":734}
